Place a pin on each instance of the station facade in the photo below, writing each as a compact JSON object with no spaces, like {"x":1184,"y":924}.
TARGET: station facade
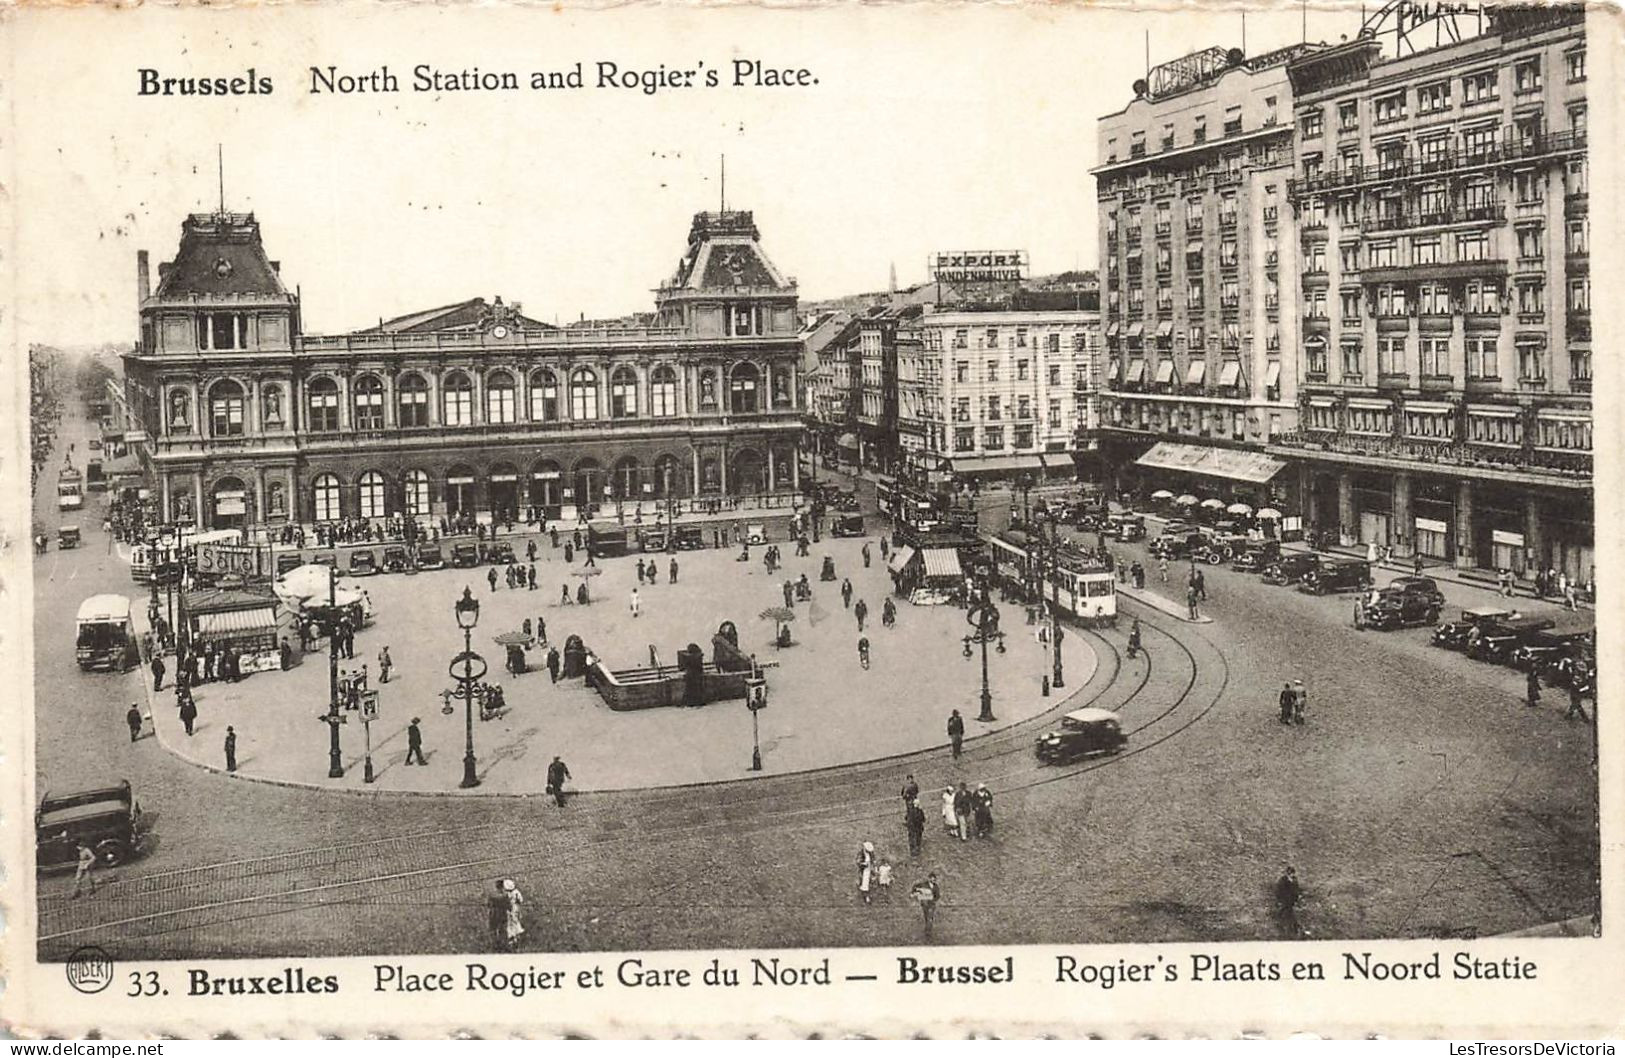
{"x":471,"y":407}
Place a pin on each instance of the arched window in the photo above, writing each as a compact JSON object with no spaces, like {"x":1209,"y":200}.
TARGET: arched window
{"x":584,"y":394}
{"x":413,"y":401}
{"x":499,"y":398}
{"x":663,"y":392}
{"x":544,"y":397}
{"x":742,"y":389}
{"x":324,"y":404}
{"x":226,"y":409}
{"x":369,"y":403}
{"x":370,"y":495}
{"x":627,"y":478}
{"x":180,"y":412}
{"x":416,"y":493}
{"x":668,"y":476}
{"x":623,"y":394}
{"x":324,"y":494}
{"x":457,"y":401}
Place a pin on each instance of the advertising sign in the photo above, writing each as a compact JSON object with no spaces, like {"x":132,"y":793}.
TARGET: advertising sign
{"x":961,"y":266}
{"x":223,"y":559}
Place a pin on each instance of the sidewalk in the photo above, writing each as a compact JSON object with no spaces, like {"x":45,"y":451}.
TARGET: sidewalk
{"x":1173,"y":609}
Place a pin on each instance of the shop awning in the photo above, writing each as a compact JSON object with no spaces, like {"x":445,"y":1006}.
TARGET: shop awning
{"x":900,"y":557}
{"x":848,"y":440}
{"x":1113,"y":370}
{"x":1234,"y":464}
{"x":1112,"y":328}
{"x":1272,"y":374}
{"x":238,"y":623}
{"x":1165,"y":328}
{"x":998,"y":464}
{"x":1556,"y":414}
{"x":1136,"y":329}
{"x":1367,"y":404}
{"x":1136,"y":371}
{"x":1429,"y":407}
{"x":1194,"y":246}
{"x":942,"y":562}
{"x":1195,"y":372}
{"x":1165,"y":372}
{"x":1230,"y":373}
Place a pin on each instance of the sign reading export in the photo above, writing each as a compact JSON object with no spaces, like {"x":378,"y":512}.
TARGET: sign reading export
{"x":220,"y":560}
{"x":979,"y":265}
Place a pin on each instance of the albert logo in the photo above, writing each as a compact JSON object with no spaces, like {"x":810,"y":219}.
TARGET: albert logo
{"x":89,"y":970}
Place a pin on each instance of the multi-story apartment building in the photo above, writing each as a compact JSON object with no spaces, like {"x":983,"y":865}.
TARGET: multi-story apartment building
{"x":1440,"y":201}
{"x":1199,"y":270}
{"x":471,"y":407}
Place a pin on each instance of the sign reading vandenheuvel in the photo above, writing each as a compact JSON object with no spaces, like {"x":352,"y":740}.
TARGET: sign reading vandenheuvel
{"x":972,"y":266}
{"x":222,"y":559}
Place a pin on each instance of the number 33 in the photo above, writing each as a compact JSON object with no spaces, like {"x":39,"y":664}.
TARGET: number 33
{"x":143,"y":983}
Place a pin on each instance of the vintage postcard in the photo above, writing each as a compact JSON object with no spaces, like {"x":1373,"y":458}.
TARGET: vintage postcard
{"x":893,"y":519}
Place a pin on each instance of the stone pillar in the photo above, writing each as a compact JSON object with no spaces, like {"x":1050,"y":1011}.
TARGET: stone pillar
{"x":346,"y":409}
{"x":1347,"y":519}
{"x":260,"y":513}
{"x":770,"y":475}
{"x":1534,"y":535}
{"x":1309,"y":504}
{"x":1466,"y":553}
{"x":695,"y":490}
{"x":1404,"y":521}
{"x":168,"y":508}
{"x":795,"y":466}
{"x":722,"y":470}
{"x":197,"y":498}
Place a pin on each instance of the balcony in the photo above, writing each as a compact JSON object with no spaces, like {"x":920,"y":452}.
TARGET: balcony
{"x":1459,"y":213}
{"x":1494,"y":459}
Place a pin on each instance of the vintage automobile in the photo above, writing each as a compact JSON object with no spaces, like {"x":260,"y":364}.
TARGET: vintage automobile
{"x":1126,"y":526}
{"x":431,"y":557}
{"x":1255,"y":556}
{"x":1082,"y":732}
{"x":845,"y":500}
{"x":1452,"y":635}
{"x":67,"y":536}
{"x":1567,"y":670}
{"x":108,"y":820}
{"x":105,"y":636}
{"x":690,"y":538}
{"x":1497,"y":640}
{"x":288,"y":563}
{"x":396,"y":560}
{"x":498,"y":552}
{"x":1337,"y":574}
{"x":1181,"y":544}
{"x":1216,"y":548}
{"x":363,"y":563}
{"x":847,"y":525}
{"x":1424,"y":586}
{"x":95,"y":444}
{"x":1397,"y":607}
{"x":654,"y":539}
{"x":1571,"y":638}
{"x":465,"y":555}
{"x":325,"y":558}
{"x":1291,"y":568}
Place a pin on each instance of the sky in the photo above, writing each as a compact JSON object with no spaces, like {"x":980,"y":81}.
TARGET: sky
{"x":928,"y":128}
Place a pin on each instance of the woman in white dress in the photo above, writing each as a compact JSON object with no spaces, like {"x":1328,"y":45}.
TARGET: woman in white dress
{"x":513,"y":926}
{"x":949,"y":820}
{"x":866,"y":869}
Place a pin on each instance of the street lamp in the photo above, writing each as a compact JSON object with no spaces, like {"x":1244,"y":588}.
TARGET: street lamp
{"x":983,"y":616}
{"x":1055,"y":600}
{"x":335,"y":757}
{"x":467,"y":610}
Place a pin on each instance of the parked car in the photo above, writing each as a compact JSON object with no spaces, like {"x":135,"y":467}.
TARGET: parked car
{"x":464,"y":556}
{"x":1337,"y":574}
{"x":1570,"y":639}
{"x":431,"y":557}
{"x":1082,"y":732}
{"x":690,"y":538}
{"x":1580,"y":671}
{"x":1216,"y":548}
{"x":1256,"y":556}
{"x":1126,"y":526}
{"x":1452,"y":635}
{"x":106,"y":819}
{"x":396,"y":560}
{"x":67,"y":536}
{"x":1176,"y":545}
{"x":325,"y":558}
{"x":498,"y":552}
{"x":1397,"y":607}
{"x":847,"y":525}
{"x":1290,"y":569}
{"x":1498,"y":640}
{"x":1425,"y":586}
{"x":845,"y":501}
{"x":363,"y":563}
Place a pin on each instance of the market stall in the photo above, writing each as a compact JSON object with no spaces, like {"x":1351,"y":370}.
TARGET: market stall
{"x":251,"y":623}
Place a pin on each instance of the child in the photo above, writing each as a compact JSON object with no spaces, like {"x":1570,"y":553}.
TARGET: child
{"x":883,"y":876}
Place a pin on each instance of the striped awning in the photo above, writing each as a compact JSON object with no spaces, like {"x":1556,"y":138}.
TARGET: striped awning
{"x":238,"y":623}
{"x":942,"y":562}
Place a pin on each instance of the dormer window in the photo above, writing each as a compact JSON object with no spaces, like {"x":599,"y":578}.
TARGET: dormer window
{"x":222,"y":330}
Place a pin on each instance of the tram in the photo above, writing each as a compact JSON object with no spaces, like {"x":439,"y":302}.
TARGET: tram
{"x":1082,"y":586}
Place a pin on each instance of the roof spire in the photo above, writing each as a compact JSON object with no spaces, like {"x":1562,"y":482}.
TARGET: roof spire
{"x":724,"y":196}
{"x":220,"y":168}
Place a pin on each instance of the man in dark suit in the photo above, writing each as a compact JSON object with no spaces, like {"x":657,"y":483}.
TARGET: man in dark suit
{"x":557,"y":773}
{"x":414,"y":743}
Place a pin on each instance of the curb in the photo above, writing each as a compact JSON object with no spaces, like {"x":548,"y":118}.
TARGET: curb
{"x":1162,"y":604}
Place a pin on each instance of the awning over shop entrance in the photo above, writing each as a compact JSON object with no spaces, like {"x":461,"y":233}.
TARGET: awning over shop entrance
{"x":900,"y":557}
{"x":998,"y":464}
{"x":942,"y":562}
{"x":848,"y":440}
{"x":1228,"y":463}
{"x":238,"y":623}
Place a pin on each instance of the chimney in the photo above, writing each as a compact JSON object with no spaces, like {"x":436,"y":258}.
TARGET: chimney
{"x":276,"y":266}
{"x":143,"y":284}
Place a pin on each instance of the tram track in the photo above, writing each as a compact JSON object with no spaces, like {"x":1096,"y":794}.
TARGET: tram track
{"x":306,"y":880}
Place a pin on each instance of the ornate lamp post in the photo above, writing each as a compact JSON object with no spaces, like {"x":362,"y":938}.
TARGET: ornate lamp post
{"x":335,"y":757}
{"x":1056,"y":679}
{"x":467,"y":610}
{"x":983,"y":616}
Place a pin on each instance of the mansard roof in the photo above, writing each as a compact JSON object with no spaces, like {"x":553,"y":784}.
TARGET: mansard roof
{"x":725,"y":253}
{"x":220,"y":256}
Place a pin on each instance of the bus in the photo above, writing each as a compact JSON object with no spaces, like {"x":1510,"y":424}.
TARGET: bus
{"x":1082,"y":586}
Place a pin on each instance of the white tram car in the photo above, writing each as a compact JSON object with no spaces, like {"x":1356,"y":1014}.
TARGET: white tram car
{"x":1085,"y":588}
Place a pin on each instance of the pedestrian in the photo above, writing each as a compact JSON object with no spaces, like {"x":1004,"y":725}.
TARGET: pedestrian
{"x":530,"y":571}
{"x":956,"y":732}
{"x":883,"y":878}
{"x":557,"y":773}
{"x":863,"y":651}
{"x":950,"y":822}
{"x":564,"y":595}
{"x":789,"y":594}
{"x":1199,"y":582}
{"x":1359,"y":613}
{"x":911,"y":790}
{"x":634,"y":601}
{"x":1577,"y":675}
{"x":1190,"y":601}
{"x":1532,"y":689}
{"x":209,"y":661}
{"x":640,"y":571}
{"x":860,"y":611}
{"x":414,"y":743}
{"x":1570,"y":603}
{"x":513,"y":923}
{"x":188,"y":713}
{"x":671,"y":571}
{"x":1300,"y":701}
{"x":964,"y":809}
{"x":541,"y":630}
{"x":1287,"y":700}
{"x":928,"y":894}
{"x":133,"y":718}
{"x":888,"y":613}
{"x":285,"y":654}
{"x":1134,"y":639}
{"x":86,"y":863}
{"x":983,"y":810}
{"x":1288,"y":895}
{"x":553,"y":664}
{"x":491,"y":575}
{"x":348,"y":627}
{"x":846,"y":593}
{"x":1416,"y":563}
{"x":530,"y":556}
{"x":866,"y":869}
{"x":231,"y":748}
{"x":866,"y":555}
{"x":581,"y":594}
{"x":1162,"y":568}
{"x":157,"y":672}
{"x":385,"y":664}
{"x":885,"y":548}
{"x":914,"y":822}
